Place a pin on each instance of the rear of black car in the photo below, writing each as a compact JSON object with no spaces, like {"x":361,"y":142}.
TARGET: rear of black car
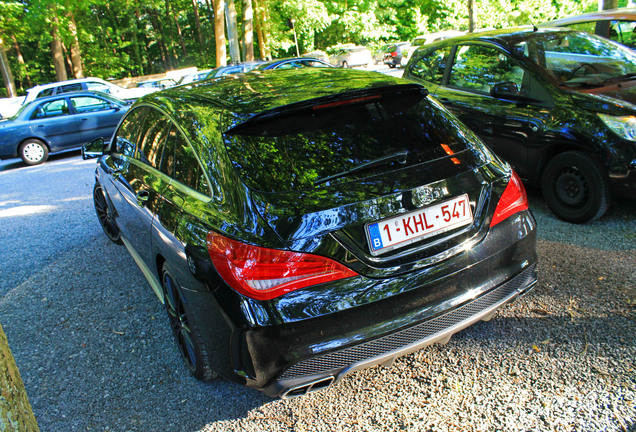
{"x":389,"y":227}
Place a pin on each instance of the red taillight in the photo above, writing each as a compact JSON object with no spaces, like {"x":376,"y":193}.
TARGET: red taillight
{"x":263,"y":274}
{"x":394,"y":54}
{"x":513,"y":200}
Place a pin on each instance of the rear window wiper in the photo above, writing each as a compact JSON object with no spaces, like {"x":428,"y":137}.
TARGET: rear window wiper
{"x":399,"y":157}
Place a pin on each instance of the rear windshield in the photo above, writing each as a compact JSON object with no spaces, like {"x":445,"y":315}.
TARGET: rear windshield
{"x":299,"y":150}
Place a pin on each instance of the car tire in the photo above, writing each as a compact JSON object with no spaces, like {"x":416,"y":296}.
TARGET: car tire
{"x":185,"y":330}
{"x":33,"y":152}
{"x":575,"y":187}
{"x":345,"y":65}
{"x":105,"y":215}
{"x":391,"y":65}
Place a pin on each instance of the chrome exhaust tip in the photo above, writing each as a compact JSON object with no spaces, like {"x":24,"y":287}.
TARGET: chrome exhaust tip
{"x":311,"y":387}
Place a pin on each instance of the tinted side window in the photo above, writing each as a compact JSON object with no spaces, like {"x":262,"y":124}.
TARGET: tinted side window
{"x":45,"y":92}
{"x":186,"y":167}
{"x":85,"y":104}
{"x":153,"y":137}
{"x":431,"y":66}
{"x":129,"y":131}
{"x":69,"y":88}
{"x":96,"y":86}
{"x":478,"y":68}
{"x":51,"y":109}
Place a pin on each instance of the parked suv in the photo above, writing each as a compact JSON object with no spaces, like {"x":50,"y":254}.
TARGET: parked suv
{"x":555,"y":103}
{"x":397,"y":54}
{"x":299,"y":227}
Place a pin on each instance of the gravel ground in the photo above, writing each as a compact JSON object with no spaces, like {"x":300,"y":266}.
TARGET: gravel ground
{"x":96,"y":354}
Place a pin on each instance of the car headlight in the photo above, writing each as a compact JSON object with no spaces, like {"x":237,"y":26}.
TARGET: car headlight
{"x":623,"y":126}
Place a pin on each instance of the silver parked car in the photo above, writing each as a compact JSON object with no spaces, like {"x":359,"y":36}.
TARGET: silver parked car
{"x":350,"y":56}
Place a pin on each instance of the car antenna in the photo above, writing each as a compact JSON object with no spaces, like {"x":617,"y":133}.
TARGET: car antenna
{"x":534,"y":27}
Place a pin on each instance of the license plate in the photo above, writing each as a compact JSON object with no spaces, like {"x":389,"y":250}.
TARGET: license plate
{"x":416,"y":225}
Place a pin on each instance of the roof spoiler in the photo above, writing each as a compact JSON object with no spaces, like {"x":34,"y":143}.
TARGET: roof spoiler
{"x":356,"y":96}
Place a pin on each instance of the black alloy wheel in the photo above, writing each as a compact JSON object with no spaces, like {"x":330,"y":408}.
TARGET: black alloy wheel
{"x":189,"y":343}
{"x":33,"y":152}
{"x":105,"y":215}
{"x":575,"y":187}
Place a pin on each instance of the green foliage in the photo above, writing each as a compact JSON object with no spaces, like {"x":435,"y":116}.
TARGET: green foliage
{"x":120,"y":38}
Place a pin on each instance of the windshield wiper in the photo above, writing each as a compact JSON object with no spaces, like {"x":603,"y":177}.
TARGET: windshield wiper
{"x":620,"y":78}
{"x":399,"y":157}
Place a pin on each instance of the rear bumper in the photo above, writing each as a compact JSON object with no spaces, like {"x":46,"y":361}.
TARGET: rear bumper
{"x":277,"y":349}
{"x":318,"y":372}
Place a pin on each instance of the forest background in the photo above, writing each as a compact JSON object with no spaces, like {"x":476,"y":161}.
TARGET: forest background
{"x":52,"y":40}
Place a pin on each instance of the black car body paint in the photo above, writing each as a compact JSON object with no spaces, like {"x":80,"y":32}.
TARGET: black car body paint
{"x":557,"y":108}
{"x":395,"y":301}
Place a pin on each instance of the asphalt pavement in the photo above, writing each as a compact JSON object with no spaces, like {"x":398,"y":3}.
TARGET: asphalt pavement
{"x":94,"y":348}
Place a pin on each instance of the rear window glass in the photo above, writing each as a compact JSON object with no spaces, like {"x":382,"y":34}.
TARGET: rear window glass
{"x":297,"y":150}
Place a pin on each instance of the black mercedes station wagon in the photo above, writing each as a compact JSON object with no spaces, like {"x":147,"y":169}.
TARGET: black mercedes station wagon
{"x":301,"y":225}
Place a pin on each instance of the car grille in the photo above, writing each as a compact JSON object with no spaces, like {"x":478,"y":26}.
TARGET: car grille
{"x":404,"y":338}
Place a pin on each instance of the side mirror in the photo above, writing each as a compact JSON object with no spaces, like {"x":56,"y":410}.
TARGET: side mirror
{"x":505,"y":90}
{"x":93,"y":149}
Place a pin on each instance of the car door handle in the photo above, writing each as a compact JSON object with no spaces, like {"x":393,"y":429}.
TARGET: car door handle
{"x":84,"y":119}
{"x":142,"y":197}
{"x":446,"y":101}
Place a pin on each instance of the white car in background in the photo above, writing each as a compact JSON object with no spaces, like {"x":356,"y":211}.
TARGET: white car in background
{"x":350,"y":56}
{"x":92,"y":84}
{"x":197,"y":76}
{"x":10,"y":106}
{"x":432,"y":37}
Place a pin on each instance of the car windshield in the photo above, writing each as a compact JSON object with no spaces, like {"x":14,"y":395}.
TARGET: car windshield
{"x":577,"y":58}
{"x":306,"y":148}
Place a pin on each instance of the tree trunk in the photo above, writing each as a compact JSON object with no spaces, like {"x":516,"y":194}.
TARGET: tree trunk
{"x":76,"y":55}
{"x":15,"y":410}
{"x":259,"y":30}
{"x":197,"y":25}
{"x":607,"y":4}
{"x":168,"y":36}
{"x":56,"y":51}
{"x":22,"y":62}
{"x":219,"y":32}
{"x":176,"y":23}
{"x":210,"y":11}
{"x":263,"y":31}
{"x":154,"y":21}
{"x":232,"y":31}
{"x":248,"y":30}
{"x":141,"y":47}
{"x":9,"y":83}
{"x":472,"y":14}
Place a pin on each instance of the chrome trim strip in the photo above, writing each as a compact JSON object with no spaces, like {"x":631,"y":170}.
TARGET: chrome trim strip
{"x":150,"y":277}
